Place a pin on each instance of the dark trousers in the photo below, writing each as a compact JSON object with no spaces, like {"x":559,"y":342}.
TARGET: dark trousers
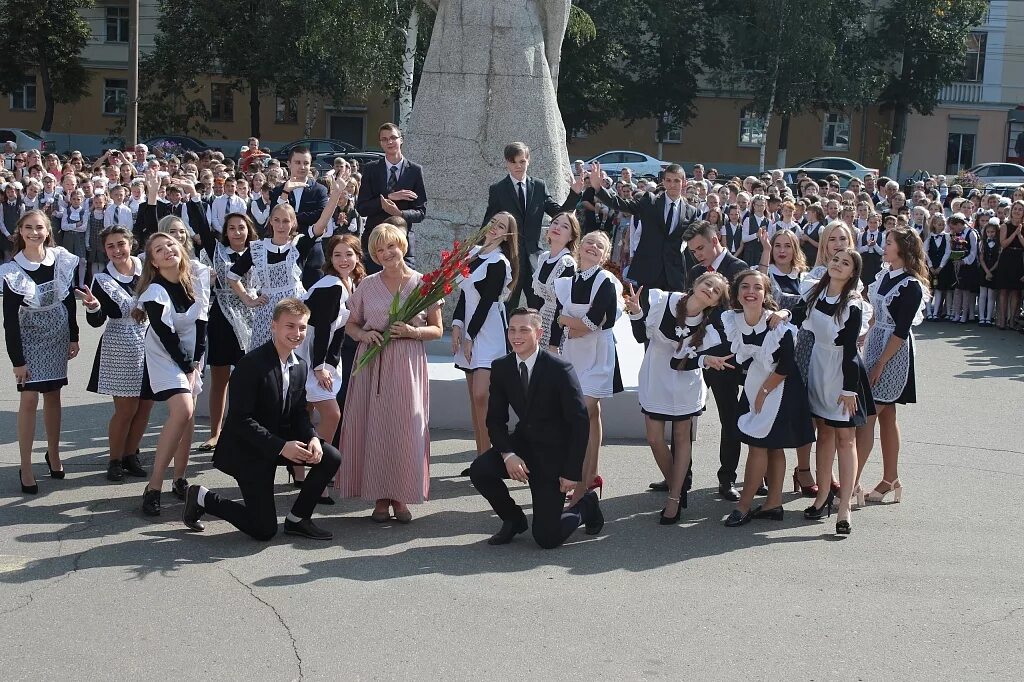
{"x":726,"y":386}
{"x":524,"y":284}
{"x":551,"y":525}
{"x":257,"y":515}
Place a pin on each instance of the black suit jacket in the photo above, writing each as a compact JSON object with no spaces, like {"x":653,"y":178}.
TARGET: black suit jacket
{"x":553,"y":427}
{"x":149,"y":217}
{"x":311,"y":203}
{"x":502,"y":196}
{"x":375,"y":185}
{"x":257,"y":424}
{"x":658,"y":260}
{"x":729,"y":268}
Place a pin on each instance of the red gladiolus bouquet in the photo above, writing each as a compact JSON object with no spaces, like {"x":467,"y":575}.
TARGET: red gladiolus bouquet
{"x":436,"y":285}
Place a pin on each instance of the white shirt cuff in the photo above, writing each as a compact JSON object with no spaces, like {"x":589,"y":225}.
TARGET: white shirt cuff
{"x":506,"y":455}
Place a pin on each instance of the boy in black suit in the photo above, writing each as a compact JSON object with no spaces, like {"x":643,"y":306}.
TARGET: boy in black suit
{"x":547,"y":447}
{"x":527,"y":199}
{"x":267,"y":425}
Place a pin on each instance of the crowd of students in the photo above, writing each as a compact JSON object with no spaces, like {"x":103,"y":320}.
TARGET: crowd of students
{"x":795,"y":310}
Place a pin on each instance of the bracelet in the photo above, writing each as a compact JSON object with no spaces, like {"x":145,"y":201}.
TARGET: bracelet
{"x":507,"y":456}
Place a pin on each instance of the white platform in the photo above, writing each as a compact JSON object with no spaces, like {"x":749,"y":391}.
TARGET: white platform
{"x":449,"y":400}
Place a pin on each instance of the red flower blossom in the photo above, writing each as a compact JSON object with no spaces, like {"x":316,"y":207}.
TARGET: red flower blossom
{"x":465,"y":271}
{"x":447,"y":288}
{"x":425,"y":290}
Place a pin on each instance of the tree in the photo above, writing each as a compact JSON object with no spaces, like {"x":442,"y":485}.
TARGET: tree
{"x":45,"y":39}
{"x":793,"y":56}
{"x":590,"y":91}
{"x":922,"y":43}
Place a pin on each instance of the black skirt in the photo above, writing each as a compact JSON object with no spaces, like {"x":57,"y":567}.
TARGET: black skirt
{"x":909,"y":394}
{"x":43,"y":386}
{"x":968,"y":277}
{"x":223,"y":347}
{"x":947,"y":278}
{"x":1009,"y":270}
{"x":793,"y":426}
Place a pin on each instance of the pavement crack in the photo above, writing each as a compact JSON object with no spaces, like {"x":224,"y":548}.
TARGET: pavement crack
{"x":28,"y":599}
{"x":1011,"y":614}
{"x":287,"y":629}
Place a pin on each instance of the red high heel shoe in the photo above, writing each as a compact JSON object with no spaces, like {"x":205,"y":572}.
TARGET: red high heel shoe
{"x":598,"y":484}
{"x":804,"y":490}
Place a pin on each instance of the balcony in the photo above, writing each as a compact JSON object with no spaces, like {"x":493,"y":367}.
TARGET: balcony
{"x":961,"y":93}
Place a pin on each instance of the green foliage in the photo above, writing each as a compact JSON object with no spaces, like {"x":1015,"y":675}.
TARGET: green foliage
{"x":45,"y":39}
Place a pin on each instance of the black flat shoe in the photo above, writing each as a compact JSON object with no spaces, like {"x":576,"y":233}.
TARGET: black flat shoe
{"x":817,"y":513}
{"x":773,"y":514}
{"x":115,"y":472}
{"x":843,"y":528}
{"x":132,"y":467}
{"x":151,"y":502}
{"x":307,"y":529}
{"x":53,"y":473}
{"x":179,"y":488}
{"x":465,"y":472}
{"x":659,"y":486}
{"x":762,"y":489}
{"x":738,"y":518}
{"x":671,"y":520}
{"x":325,"y":499}
{"x":193,"y":511}
{"x":595,"y":518}
{"x":28,"y":489}
{"x":509,"y":529}
{"x":729,"y":493}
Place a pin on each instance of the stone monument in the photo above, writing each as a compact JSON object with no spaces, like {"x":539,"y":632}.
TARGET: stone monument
{"x":489,"y":78}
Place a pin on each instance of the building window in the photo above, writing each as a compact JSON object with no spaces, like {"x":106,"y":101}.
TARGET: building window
{"x":222,"y":102}
{"x":751,"y":128}
{"x":24,"y":98}
{"x":959,"y":152}
{"x":673,"y":132}
{"x":974,"y":58}
{"x":285,"y":110}
{"x":835,"y":132}
{"x":117,"y":24}
{"x":115,"y":96}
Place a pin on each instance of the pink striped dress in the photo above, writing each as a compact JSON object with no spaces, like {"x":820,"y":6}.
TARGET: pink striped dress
{"x":385,"y":442}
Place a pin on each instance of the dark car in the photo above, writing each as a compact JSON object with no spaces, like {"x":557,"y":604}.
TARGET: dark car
{"x":316,"y":146}
{"x":325,"y":162}
{"x":177,"y":144}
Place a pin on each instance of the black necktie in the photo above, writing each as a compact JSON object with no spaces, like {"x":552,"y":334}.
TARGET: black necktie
{"x":176,"y":210}
{"x":524,"y":375}
{"x":393,"y":180}
{"x":668,"y":220}
{"x":522,"y":198}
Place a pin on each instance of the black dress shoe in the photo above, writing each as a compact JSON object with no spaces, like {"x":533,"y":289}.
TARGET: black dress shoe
{"x":738,"y":518}
{"x":307,"y":529}
{"x":843,"y":528}
{"x":659,"y":486}
{"x":729,"y":492}
{"x":509,"y":529}
{"x":465,"y":472}
{"x":773,"y":514}
{"x":151,"y":502}
{"x":193,"y":511}
{"x":132,"y":467}
{"x":762,"y":490}
{"x":28,"y":489}
{"x":115,"y":472}
{"x":179,"y":487}
{"x":53,"y":473}
{"x":594,"y":518}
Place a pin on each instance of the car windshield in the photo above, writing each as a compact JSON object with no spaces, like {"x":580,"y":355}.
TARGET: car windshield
{"x":29,"y":133}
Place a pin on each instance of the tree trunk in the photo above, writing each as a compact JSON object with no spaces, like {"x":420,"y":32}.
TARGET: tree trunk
{"x":899,"y":127}
{"x":312,"y":111}
{"x":408,"y":66}
{"x":768,"y":113}
{"x":254,"y":108}
{"x":48,"y":106}
{"x":780,"y":157}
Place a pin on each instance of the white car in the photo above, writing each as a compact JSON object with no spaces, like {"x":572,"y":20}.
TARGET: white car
{"x":838,"y":163}
{"x":25,"y":139}
{"x":641,"y":164}
{"x":995,"y":173}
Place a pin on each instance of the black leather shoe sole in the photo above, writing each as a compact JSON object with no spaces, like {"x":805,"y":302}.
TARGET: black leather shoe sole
{"x":192,"y":512}
{"x":307,"y":531}
{"x":508,"y":532}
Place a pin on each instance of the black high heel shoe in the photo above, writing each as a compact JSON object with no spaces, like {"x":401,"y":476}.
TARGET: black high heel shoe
{"x":291,"y":476}
{"x":53,"y":474}
{"x":817,"y":513}
{"x":28,"y":489}
{"x":843,"y":528}
{"x":671,"y":520}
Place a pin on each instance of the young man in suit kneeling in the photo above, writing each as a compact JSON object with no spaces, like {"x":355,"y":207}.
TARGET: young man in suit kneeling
{"x":267,"y":426}
{"x":547,"y":447}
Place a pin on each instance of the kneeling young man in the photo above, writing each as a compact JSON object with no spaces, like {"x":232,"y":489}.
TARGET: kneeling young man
{"x":547,"y":447}
{"x":267,"y":426}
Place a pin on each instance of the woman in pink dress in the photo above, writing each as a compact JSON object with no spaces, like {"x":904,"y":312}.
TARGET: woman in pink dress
{"x":384,"y":434}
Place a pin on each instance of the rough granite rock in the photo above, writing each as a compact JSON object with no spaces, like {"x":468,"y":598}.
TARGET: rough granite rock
{"x":489,"y":79}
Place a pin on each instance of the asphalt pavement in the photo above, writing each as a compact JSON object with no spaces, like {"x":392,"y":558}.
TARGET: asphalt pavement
{"x":927,"y":589}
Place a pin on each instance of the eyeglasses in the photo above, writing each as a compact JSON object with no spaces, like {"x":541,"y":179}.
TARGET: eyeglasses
{"x":391,"y":138}
{"x":19,"y":161}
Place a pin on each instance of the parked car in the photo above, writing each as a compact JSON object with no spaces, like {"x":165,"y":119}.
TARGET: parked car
{"x":176,"y":144}
{"x":641,"y":164}
{"x":994,"y":173}
{"x":316,"y":147}
{"x":26,"y":139}
{"x":1003,"y":189}
{"x":324,"y":162}
{"x":816,"y":174}
{"x":839,"y":163}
